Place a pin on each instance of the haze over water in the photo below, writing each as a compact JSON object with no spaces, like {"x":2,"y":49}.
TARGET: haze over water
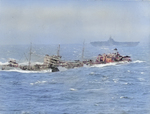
{"x":63,"y":21}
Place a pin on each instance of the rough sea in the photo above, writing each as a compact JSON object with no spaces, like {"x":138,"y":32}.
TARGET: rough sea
{"x":115,"y":88}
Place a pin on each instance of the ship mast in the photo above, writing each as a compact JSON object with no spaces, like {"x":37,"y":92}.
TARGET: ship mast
{"x":30,"y":55}
{"x":58,"y":50}
{"x":83,"y":51}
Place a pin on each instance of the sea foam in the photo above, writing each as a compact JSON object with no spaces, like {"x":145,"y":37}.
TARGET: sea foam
{"x":138,"y":61}
{"x":26,"y":71}
{"x":103,"y":65}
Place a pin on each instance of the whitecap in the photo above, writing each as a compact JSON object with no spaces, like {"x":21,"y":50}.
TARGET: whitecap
{"x":138,"y":61}
{"x":103,"y":65}
{"x":142,"y":72}
{"x":75,"y":51}
{"x":91,"y":73}
{"x":121,"y":97}
{"x":38,"y":82}
{"x":72,"y":89}
{"x":141,"y":79}
{"x":115,"y":80}
{"x":125,"y":97}
{"x":31,"y":83}
{"x":96,"y":104}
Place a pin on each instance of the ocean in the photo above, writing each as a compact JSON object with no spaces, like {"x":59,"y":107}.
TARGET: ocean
{"x":114,"y":88}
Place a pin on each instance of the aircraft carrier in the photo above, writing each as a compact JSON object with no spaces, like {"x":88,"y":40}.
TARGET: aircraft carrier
{"x":112,"y":42}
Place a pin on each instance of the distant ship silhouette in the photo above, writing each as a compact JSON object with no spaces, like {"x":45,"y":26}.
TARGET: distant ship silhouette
{"x":111,"y":42}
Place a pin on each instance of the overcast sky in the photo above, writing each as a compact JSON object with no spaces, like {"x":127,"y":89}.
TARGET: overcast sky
{"x":73,"y":21}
